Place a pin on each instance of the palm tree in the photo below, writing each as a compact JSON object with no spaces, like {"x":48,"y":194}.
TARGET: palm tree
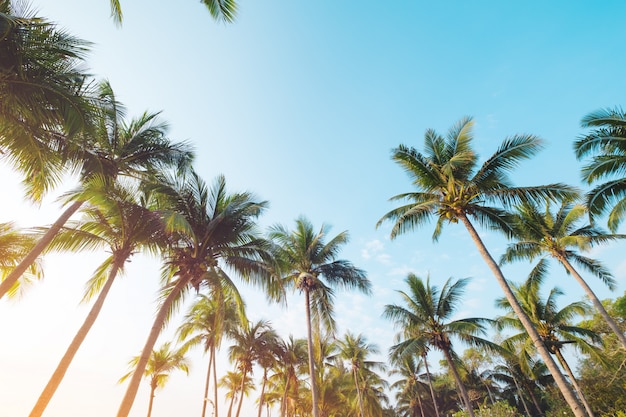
{"x":425,"y":315}
{"x":287,"y":371}
{"x":310,"y":266}
{"x":452,"y":188}
{"x":137,"y":150}
{"x":354,"y":350}
{"x":162,"y":362}
{"x":45,"y":100}
{"x":557,"y":235}
{"x":221,"y":10}
{"x":605,"y":147}
{"x":14,"y":245}
{"x":210,"y":229}
{"x":233,"y":381}
{"x":409,"y":385}
{"x":251,"y":342}
{"x":206,"y":323}
{"x":114,"y":221}
{"x":553,"y":324}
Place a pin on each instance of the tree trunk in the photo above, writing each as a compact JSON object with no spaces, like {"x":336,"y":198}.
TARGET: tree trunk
{"x":34,"y":253}
{"x":459,"y":383}
{"x":56,"y":378}
{"x":564,"y":387}
{"x":152,"y":391}
{"x":215,"y":397}
{"x":565,"y":366}
{"x":262,"y":396}
{"x":430,"y":384}
{"x":309,"y":334}
{"x":521,"y":397}
{"x":243,"y":384}
{"x":358,"y":392}
{"x":206,"y":385}
{"x":419,"y":403}
{"x":155,"y":331}
{"x":232,"y":402}
{"x":594,"y":300}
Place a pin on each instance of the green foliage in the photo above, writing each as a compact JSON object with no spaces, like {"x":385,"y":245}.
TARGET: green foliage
{"x":499,"y":409}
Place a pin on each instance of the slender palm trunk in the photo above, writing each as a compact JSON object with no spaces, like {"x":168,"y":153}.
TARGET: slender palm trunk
{"x":565,"y":366}
{"x":34,"y":253}
{"x":206,"y":384}
{"x":241,"y":390}
{"x":521,"y":397}
{"x":419,"y":403}
{"x":430,"y":384}
{"x":232,"y":402}
{"x":262,"y":396}
{"x":159,"y":321}
{"x":594,"y":300}
{"x":564,"y":387}
{"x":56,"y":378}
{"x":533,"y":397}
{"x":152,"y":394}
{"x":459,"y":383}
{"x":215,"y":398}
{"x":309,"y":334}
{"x":358,"y":392}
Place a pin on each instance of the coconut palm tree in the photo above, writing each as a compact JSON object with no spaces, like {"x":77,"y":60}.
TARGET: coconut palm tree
{"x":287,"y":371}
{"x":206,"y":323}
{"x":45,"y":98}
{"x":553,"y":324}
{"x":354,"y":350}
{"x":232,"y":382}
{"x":210,"y":230}
{"x":137,"y":150}
{"x":426,"y":315}
{"x":14,"y":245}
{"x":452,"y":187}
{"x":114,"y":220}
{"x":311,"y":266}
{"x":161,"y":364}
{"x":605,"y":147}
{"x":542,"y":233}
{"x":410,"y":385}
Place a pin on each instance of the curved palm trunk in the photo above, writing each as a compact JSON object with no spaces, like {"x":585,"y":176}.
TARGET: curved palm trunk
{"x":358,"y":392}
{"x":56,"y":378}
{"x":564,"y":387}
{"x":262,"y":396}
{"x":34,"y":253}
{"x":594,"y":300}
{"x":206,"y":384}
{"x":521,"y":397}
{"x":430,"y":384}
{"x":459,"y":383}
{"x":159,"y":321}
{"x":309,"y":337}
{"x":241,"y":390}
{"x":565,"y":366}
{"x":152,"y":394}
{"x":215,"y":398}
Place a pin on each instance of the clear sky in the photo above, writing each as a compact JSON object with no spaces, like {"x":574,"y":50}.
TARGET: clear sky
{"x":301,"y":103}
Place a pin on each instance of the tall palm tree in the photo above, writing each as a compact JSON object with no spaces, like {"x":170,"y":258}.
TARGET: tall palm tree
{"x":426,"y":313}
{"x":451,"y":187}
{"x":161,"y":364}
{"x":553,"y":324}
{"x":210,"y":230}
{"x":115,"y":221}
{"x":45,"y":99}
{"x":605,"y":147}
{"x":137,"y":149}
{"x":310,"y":266}
{"x":206,"y":323}
{"x":14,"y":245}
{"x":354,"y":350}
{"x":558,"y":236}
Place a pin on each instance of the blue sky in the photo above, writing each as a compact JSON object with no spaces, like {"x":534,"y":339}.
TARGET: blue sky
{"x":301,"y":103}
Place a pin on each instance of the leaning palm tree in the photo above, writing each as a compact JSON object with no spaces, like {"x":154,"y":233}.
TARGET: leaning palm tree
{"x":161,"y":364}
{"x":310,"y":266}
{"x":45,"y":98}
{"x":553,"y":324}
{"x":542,"y":233}
{"x":607,"y":151}
{"x":426,"y":315}
{"x":14,"y":245}
{"x":206,"y":323}
{"x":452,"y":187}
{"x":210,"y":230}
{"x":114,"y":220}
{"x":137,"y":149}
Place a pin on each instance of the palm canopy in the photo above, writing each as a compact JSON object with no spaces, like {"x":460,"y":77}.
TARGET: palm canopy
{"x":220,"y":10}
{"x":45,"y":99}
{"x":310,"y":264}
{"x":452,"y":186}
{"x":14,"y":245}
{"x":161,"y":364}
{"x":559,"y":235}
{"x":605,"y":145}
